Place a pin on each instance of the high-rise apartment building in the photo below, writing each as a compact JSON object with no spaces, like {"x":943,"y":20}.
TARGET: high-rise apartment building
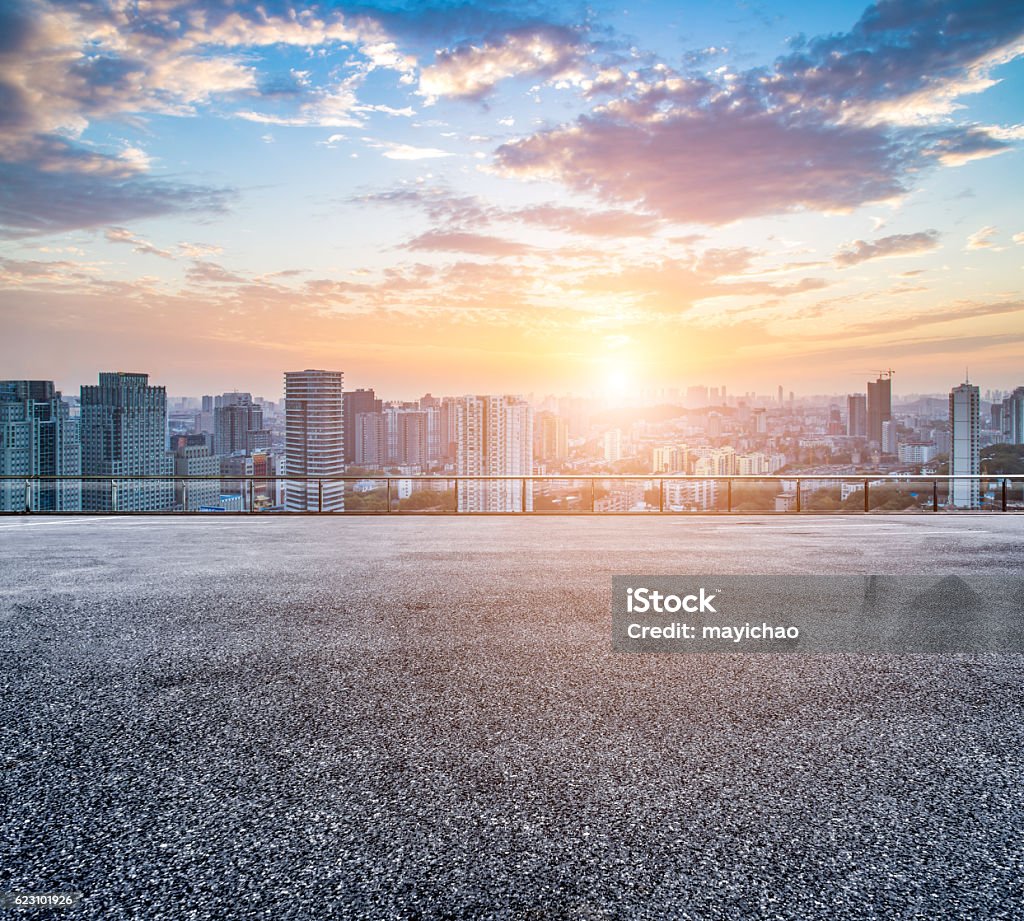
{"x":192,"y":458}
{"x":717,"y":462}
{"x":879,"y":407}
{"x":447,"y":430}
{"x":370,"y":447}
{"x":1011,"y":417}
{"x":857,"y":415}
{"x":495,"y":438}
{"x":550,"y":438}
{"x":314,"y":439}
{"x":399,"y":435}
{"x":890,"y":439}
{"x":124,"y":431}
{"x":612,"y":446}
{"x":965,"y":448}
{"x":669,"y":459}
{"x":38,"y":439}
{"x":238,"y":425}
{"x":356,"y":402}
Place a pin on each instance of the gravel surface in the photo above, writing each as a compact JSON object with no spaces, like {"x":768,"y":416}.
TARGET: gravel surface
{"x":420,"y":718}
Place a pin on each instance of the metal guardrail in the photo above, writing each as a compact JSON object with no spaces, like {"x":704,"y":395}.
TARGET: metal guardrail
{"x":114,"y":498}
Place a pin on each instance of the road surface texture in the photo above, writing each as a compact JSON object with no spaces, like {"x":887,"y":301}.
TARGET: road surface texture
{"x":423,"y":718}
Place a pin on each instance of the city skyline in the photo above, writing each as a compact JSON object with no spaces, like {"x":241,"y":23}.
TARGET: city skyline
{"x":673,"y":392}
{"x":125,"y":447}
{"x":507,"y":198}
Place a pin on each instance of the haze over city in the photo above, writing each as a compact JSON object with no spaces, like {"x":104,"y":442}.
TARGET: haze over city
{"x":500,"y":197}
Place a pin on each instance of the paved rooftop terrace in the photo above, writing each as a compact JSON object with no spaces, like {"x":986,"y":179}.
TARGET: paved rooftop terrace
{"x":422,"y":718}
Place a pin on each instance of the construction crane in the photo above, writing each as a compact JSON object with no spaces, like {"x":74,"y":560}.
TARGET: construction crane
{"x":888,"y":372}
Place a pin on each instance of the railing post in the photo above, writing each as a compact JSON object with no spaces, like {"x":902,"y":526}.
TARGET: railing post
{"x":388,"y":482}
{"x":28,"y":496}
{"x":113,"y":495}
{"x":1004,"y":494}
{"x":592,"y":500}
{"x":320,"y":496}
{"x":252,"y":497}
{"x":522,"y":500}
{"x":935,"y":495}
{"x":867,"y":504}
{"x":184,"y":495}
{"x":661,"y":495}
{"x":798,"y":496}
{"x":728,"y":495}
{"x":456,"y":495}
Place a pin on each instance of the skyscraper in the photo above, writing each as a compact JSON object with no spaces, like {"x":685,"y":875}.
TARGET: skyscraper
{"x":314,"y":439}
{"x":857,"y":415}
{"x":38,"y":438}
{"x":495,"y":438}
{"x":964,"y":451}
{"x":124,"y":426}
{"x":612,"y":446}
{"x":550,"y":438}
{"x":356,"y":402}
{"x":879,"y":407}
{"x":192,"y":458}
{"x":890,"y":439}
{"x":1011,"y":417}
{"x":370,"y":447}
{"x":238,"y":425}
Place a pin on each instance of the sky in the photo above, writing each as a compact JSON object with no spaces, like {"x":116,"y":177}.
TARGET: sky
{"x":513,"y":196}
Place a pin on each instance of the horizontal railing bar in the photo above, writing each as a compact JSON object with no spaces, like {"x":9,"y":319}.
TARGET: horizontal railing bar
{"x":585,"y":477}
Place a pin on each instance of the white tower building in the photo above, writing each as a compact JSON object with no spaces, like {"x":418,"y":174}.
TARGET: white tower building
{"x":314,"y":439}
{"x":494,"y":437}
{"x":964,"y":450}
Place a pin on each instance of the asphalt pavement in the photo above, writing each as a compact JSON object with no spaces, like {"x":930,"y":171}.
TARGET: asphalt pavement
{"x":424,"y":718}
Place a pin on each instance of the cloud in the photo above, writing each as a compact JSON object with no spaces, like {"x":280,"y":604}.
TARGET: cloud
{"x":334,"y":106}
{"x":138,"y":244}
{"x":65,"y":66}
{"x":395,"y":151}
{"x":462,"y":211}
{"x":982,"y":239}
{"x":87,"y":190}
{"x":205,"y":272}
{"x":953,"y":313}
{"x":459,"y":242}
{"x":900,"y":244}
{"x":1018,"y":238}
{"x":677,"y":286}
{"x":711,"y":165}
{"x":439,"y":204}
{"x":199,"y":250}
{"x":904,"y":60}
{"x":611,"y":223}
{"x":471,"y":71}
{"x":820,"y":130}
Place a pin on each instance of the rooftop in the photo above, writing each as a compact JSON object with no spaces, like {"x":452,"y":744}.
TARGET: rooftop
{"x":415,"y":717}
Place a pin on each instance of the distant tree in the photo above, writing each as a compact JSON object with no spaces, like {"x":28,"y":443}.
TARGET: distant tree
{"x":823,"y":500}
{"x":753,"y":497}
{"x":423,"y":499}
{"x":1002,"y":459}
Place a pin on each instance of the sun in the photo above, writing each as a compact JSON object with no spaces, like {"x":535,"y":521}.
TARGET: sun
{"x":617,"y":385}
